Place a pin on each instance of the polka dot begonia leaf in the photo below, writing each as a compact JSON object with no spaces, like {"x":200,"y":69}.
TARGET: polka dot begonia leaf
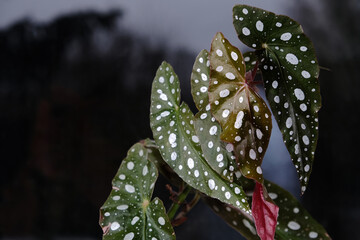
{"x":250,"y":60}
{"x":218,"y":156}
{"x":293,"y":222}
{"x":172,"y":125}
{"x":205,"y":124}
{"x":290,"y":71}
{"x":200,"y":79}
{"x":155,"y":157}
{"x":129,"y":213}
{"x":243,"y":115}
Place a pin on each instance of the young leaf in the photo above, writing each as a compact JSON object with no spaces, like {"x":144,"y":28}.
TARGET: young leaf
{"x":265,"y":213}
{"x":200,"y":79}
{"x":290,"y":71}
{"x":129,"y":213}
{"x":294,"y":222}
{"x":242,"y":113}
{"x":173,"y":130}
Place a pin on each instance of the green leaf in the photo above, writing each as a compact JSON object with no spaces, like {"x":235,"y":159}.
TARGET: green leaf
{"x":294,"y":222}
{"x":250,"y":59}
{"x":129,"y":213}
{"x":155,"y":157}
{"x":216,"y":155}
{"x":200,"y":79}
{"x":173,"y":129}
{"x":242,"y":113}
{"x":290,"y":71}
{"x":214,"y":152}
{"x":240,"y":221}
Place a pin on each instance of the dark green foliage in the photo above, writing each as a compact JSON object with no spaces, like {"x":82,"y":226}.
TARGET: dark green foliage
{"x":290,"y":70}
{"x":173,"y":129}
{"x":129,"y":213}
{"x":218,"y":152}
{"x":294,"y":222}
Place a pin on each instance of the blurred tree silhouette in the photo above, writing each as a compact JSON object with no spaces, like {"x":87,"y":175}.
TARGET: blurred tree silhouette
{"x":67,"y":89}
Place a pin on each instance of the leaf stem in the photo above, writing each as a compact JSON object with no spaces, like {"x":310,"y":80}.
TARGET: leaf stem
{"x":176,"y":205}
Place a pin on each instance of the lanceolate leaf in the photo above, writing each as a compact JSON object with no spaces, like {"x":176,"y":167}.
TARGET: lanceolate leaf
{"x":242,"y":113}
{"x":200,"y":79}
{"x":173,"y":130}
{"x":218,"y":157}
{"x":294,"y":222}
{"x":290,"y":71}
{"x":211,"y":145}
{"x":129,"y":213}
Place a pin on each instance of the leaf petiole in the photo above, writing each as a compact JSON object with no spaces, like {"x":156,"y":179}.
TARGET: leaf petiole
{"x":180,"y":200}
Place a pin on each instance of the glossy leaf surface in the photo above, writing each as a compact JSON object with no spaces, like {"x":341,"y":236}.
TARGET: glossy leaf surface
{"x":173,"y":129}
{"x":211,"y":145}
{"x":155,"y":157}
{"x":129,"y":213}
{"x":242,"y":113}
{"x":265,"y":213}
{"x":200,"y":80}
{"x":294,"y":222}
{"x":290,"y":71}
{"x":215,"y":153}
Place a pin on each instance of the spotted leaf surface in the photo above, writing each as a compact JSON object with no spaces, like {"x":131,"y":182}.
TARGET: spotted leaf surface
{"x":217,"y":153}
{"x":250,"y":59}
{"x":129,"y":213}
{"x":173,"y":130}
{"x":294,"y":222}
{"x":290,"y":71}
{"x":242,"y":113}
{"x":240,"y":221}
{"x":219,"y":158}
{"x":155,"y":157}
{"x":200,"y":79}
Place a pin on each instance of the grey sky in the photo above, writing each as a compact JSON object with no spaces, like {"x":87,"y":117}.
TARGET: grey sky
{"x":187,"y":23}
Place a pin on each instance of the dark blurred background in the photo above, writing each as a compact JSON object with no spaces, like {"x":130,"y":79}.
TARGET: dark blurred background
{"x":74,"y":96}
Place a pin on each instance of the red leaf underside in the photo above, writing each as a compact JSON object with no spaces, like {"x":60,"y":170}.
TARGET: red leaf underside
{"x":265,"y":214}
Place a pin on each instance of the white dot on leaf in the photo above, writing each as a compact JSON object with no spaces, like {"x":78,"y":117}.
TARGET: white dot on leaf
{"x":259,"y":26}
{"x":234,"y":56}
{"x":286,"y":36}
{"x":114,"y":226}
{"x":246,"y":31}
